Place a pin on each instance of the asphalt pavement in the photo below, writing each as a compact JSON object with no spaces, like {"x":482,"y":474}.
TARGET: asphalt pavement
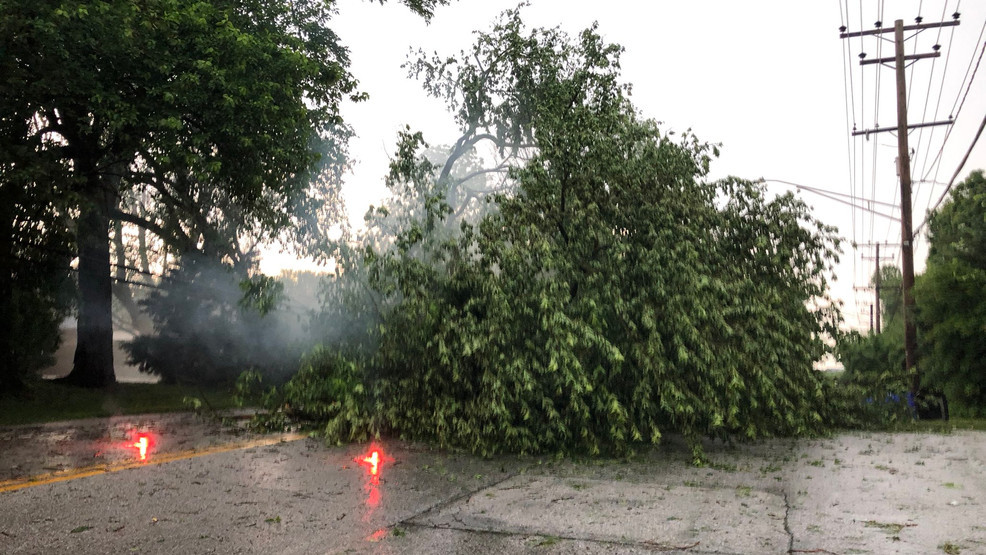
{"x":208,"y":487}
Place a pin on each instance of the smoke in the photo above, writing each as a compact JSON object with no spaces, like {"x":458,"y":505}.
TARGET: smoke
{"x":212,"y":323}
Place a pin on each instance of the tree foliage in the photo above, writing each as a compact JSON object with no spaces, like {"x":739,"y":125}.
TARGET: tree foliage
{"x":36,"y":285}
{"x":198,"y":121}
{"x":875,"y":362}
{"x":612,"y":294}
{"x":950,"y":300}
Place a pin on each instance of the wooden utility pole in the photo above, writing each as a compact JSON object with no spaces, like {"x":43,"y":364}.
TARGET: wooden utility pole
{"x":877,"y":279}
{"x":904,"y":167}
{"x":879,"y":275}
{"x":906,"y":229}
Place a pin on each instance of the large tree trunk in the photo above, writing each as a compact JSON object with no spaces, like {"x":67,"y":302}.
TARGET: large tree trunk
{"x":93,"y":365}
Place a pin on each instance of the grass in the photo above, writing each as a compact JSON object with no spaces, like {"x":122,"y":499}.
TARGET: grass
{"x":950,"y":548}
{"x":51,"y":402}
{"x":940,"y":426}
{"x":890,"y":528}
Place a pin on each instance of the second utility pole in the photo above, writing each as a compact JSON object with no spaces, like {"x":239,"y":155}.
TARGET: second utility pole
{"x":906,"y":231}
{"x":879,"y":276}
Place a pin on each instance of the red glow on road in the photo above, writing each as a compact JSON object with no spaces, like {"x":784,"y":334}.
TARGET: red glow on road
{"x":378,"y":535}
{"x":373,"y":459}
{"x":373,"y":500}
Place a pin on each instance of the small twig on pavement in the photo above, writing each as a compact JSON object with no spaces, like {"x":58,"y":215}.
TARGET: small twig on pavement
{"x":664,"y":547}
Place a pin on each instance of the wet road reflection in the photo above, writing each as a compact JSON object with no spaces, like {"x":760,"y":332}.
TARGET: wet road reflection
{"x":373,"y":461}
{"x":61,"y":447}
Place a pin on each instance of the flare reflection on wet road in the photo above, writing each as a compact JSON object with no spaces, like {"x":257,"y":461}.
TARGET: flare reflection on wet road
{"x":373,"y":460}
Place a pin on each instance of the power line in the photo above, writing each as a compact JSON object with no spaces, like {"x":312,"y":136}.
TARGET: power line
{"x":937,"y":161}
{"x":833,"y":195}
{"x":62,"y":252}
{"x":956,"y":174}
{"x":849,"y":100}
{"x":964,"y":77}
{"x":819,"y":190}
{"x":76,"y":271}
{"x":927,"y":98}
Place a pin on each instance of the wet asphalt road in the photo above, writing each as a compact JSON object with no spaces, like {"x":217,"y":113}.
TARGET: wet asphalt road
{"x":207,"y":488}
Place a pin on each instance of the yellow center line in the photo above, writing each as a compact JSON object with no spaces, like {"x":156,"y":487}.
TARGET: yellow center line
{"x":94,"y":470}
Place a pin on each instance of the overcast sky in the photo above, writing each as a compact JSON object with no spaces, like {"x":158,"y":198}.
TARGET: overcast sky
{"x":766,"y":79}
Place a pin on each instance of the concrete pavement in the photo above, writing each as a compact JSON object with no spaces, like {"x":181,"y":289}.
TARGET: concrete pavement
{"x":853,"y":493}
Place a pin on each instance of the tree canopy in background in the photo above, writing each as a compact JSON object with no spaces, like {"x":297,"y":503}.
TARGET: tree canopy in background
{"x":610,"y":295}
{"x":950,"y":308}
{"x":950,"y":298}
{"x":875,"y":362}
{"x":200,"y":122}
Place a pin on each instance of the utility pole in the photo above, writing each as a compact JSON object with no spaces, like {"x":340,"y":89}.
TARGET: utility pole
{"x":903,"y":159}
{"x":876,"y":285}
{"x":879,"y":273}
{"x":906,"y":229}
{"x":877,"y":278}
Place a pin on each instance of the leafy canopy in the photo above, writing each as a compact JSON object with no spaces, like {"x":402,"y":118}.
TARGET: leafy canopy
{"x":611,"y":295}
{"x":199,"y":121}
{"x":950,"y":300}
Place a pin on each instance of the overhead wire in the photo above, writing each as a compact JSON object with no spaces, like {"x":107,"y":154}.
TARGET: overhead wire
{"x":910,"y":87}
{"x":76,"y":271}
{"x":938,"y":104}
{"x":955,"y":175}
{"x":862,"y":117}
{"x":968,"y":67}
{"x":927,"y":99}
{"x":876,"y":120}
{"x":850,"y":105}
{"x":849,"y":100}
{"x":855,"y":202}
{"x":936,"y":163}
{"x":965,"y":158}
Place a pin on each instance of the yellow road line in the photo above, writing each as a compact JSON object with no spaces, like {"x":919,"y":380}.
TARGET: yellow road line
{"x":86,"y":471}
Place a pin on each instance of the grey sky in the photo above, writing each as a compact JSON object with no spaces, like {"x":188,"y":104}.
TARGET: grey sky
{"x":764,"y":78}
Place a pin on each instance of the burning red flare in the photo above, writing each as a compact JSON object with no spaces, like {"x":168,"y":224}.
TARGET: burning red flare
{"x":141,"y":446}
{"x":142,"y":443}
{"x":374,"y":461}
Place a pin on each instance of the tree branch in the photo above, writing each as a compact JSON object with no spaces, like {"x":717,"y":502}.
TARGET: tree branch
{"x":175,"y":240}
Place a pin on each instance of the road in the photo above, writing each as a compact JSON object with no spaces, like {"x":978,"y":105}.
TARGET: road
{"x":204,"y":488}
